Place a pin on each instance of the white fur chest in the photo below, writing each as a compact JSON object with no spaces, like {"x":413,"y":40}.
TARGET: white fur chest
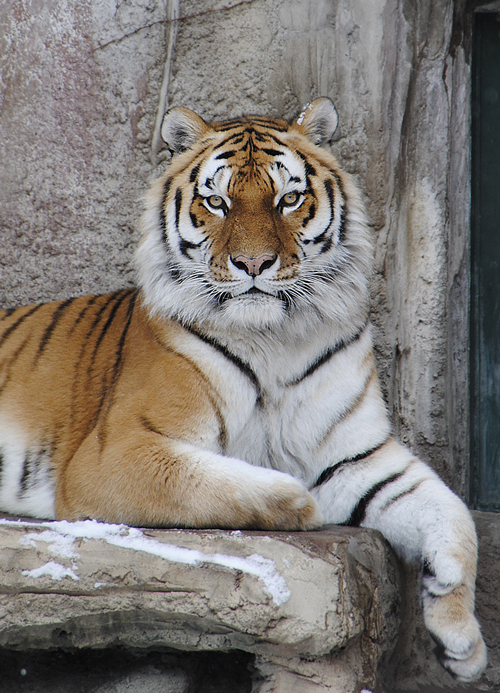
{"x":298,"y":409}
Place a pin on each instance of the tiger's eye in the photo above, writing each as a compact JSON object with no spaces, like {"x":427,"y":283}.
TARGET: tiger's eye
{"x":215,"y":201}
{"x":290,"y":198}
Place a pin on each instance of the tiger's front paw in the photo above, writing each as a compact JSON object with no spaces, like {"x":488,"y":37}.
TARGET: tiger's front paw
{"x":453,"y":626}
{"x":275,"y":501}
{"x":289,"y":506}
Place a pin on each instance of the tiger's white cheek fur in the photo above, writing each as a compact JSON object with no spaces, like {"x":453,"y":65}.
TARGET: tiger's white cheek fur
{"x":288,"y":175}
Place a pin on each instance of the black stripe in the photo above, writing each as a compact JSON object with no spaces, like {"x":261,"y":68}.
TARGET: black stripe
{"x":163,"y":219}
{"x":310,"y":170}
{"x":259,"y":136}
{"x":321,"y":237}
{"x":327,"y":473}
{"x":226,"y":155}
{"x":32,"y":466}
{"x":359,"y":512}
{"x":116,"y":298}
{"x":329,"y":190}
{"x":108,"y":390}
{"x":273,"y":152}
{"x":237,"y":138}
{"x":187,"y":245}
{"x":327,"y":242}
{"x":90,"y":302}
{"x":310,"y":215}
{"x":177,"y":206}
{"x":406,"y":492}
{"x":230,"y":125}
{"x":351,"y":406}
{"x":242,"y":365}
{"x":278,"y":141}
{"x":342,"y":225}
{"x":120,"y":298}
{"x":26,"y":473}
{"x":56,"y":316}
{"x":109,"y":299}
{"x":105,"y":389}
{"x":326,"y":356}
{"x":145,"y":423}
{"x":7,"y":366}
{"x":18,"y":322}
{"x":327,"y":245}
{"x":265,"y":125}
{"x":210,"y":181}
{"x":342,"y":211}
{"x":195,"y":221}
{"x":194,"y":173}
{"x":7,"y":312}
{"x":121,"y":344}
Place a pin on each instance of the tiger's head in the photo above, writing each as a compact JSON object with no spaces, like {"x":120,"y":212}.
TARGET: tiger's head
{"x":254,"y":224}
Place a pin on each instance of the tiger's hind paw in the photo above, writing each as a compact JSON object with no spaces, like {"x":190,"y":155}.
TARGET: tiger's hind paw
{"x":466,"y":666}
{"x":451,"y":623}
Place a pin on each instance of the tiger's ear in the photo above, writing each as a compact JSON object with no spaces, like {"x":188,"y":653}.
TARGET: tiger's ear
{"x":318,"y":121}
{"x":181,"y":127}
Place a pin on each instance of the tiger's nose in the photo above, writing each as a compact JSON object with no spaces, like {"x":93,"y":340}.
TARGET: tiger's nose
{"x":253,"y":266}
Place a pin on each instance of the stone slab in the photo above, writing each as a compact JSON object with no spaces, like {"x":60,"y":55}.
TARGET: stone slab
{"x":319,"y":607}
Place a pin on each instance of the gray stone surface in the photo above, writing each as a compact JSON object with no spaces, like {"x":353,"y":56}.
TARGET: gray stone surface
{"x":77,"y":102}
{"x":318,"y":608}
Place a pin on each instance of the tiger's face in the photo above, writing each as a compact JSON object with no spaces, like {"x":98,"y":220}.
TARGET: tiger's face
{"x":252,"y":222}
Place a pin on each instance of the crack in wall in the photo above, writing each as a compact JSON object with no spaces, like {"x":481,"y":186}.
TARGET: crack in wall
{"x":173,"y":20}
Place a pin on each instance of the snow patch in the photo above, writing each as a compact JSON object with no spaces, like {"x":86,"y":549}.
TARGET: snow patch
{"x":60,"y":536}
{"x":54,"y":570}
{"x":59,"y":544}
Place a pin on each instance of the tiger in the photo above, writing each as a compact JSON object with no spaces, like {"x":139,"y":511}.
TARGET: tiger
{"x":235,"y":387}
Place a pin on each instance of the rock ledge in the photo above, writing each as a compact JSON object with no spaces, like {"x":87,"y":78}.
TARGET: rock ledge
{"x":318,"y":609}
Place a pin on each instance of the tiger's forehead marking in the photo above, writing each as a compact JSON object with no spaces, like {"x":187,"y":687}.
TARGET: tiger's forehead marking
{"x":256,"y":154}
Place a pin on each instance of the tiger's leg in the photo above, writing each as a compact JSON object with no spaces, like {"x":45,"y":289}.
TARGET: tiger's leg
{"x":394,"y":492}
{"x":148,"y":479}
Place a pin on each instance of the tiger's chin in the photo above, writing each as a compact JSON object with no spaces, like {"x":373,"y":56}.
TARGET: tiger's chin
{"x":255,"y":311}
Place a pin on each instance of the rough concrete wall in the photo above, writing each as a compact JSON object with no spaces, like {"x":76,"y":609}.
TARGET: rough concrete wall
{"x":77,"y":101}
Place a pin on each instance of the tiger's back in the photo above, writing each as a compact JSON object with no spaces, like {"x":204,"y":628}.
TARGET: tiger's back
{"x":58,"y":364}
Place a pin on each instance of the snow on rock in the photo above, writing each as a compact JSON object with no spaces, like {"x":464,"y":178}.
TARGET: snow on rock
{"x":54,"y":570}
{"x":60,"y":536}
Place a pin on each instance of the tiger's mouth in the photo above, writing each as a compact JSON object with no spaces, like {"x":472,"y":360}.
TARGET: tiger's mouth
{"x":254,"y":290}
{"x":252,"y":293}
